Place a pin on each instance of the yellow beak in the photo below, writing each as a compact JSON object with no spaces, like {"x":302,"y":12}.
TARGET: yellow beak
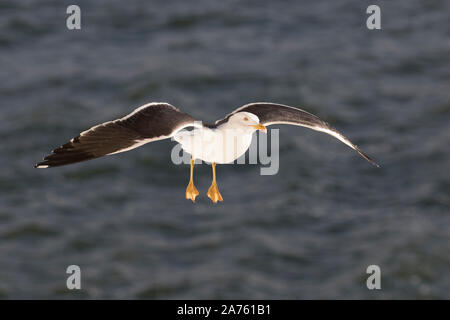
{"x":260,"y":126}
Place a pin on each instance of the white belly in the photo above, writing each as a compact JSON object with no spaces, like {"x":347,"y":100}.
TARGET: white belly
{"x":214,"y":145}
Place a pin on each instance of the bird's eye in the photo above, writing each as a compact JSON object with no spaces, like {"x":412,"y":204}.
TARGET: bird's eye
{"x":245,"y":119}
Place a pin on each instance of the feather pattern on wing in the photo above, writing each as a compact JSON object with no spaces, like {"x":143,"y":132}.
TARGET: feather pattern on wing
{"x":151,"y":122}
{"x":273,"y":113}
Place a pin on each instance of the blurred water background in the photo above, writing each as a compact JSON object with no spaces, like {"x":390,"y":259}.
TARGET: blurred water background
{"x":308,"y":232}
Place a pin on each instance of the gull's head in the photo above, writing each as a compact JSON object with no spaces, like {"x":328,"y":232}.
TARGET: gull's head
{"x":246,"y":121}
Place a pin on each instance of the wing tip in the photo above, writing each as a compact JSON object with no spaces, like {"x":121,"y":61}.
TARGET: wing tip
{"x":365,"y":156}
{"x":375,"y":164}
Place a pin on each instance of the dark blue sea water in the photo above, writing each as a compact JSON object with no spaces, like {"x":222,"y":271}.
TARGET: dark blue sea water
{"x":308,"y":232}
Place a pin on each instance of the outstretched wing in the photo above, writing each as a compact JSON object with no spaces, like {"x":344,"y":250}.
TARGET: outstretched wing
{"x":151,"y":122}
{"x":272,"y":113}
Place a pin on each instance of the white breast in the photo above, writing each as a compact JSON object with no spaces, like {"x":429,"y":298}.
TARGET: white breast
{"x":219,"y":145}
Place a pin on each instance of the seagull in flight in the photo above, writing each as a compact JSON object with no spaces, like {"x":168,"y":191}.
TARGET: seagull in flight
{"x":222,"y":142}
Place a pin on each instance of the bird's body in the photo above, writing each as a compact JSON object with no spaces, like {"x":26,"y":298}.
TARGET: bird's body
{"x":223,"y":142}
{"x":218,"y":144}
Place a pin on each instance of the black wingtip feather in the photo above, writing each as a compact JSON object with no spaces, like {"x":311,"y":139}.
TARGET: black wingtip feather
{"x":365,"y":156}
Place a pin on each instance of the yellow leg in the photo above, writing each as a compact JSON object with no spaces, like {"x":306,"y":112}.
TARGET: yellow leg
{"x":191,"y":190}
{"x":213,"y":191}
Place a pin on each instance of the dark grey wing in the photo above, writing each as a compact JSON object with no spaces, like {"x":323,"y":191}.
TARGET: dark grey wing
{"x":151,"y":122}
{"x":272,"y":113}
